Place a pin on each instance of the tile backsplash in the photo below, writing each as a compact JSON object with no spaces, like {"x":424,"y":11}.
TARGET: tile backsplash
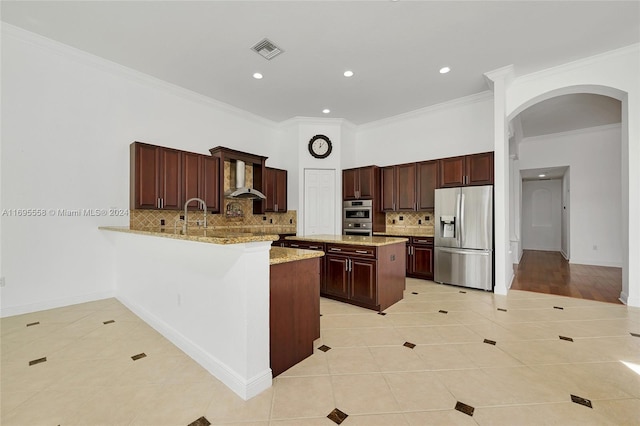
{"x":237,"y":215}
{"x":411,"y":222}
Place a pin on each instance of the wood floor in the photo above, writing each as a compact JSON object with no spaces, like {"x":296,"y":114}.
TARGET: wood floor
{"x":549,"y":272}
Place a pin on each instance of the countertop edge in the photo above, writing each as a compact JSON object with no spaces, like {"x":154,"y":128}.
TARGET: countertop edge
{"x":350,"y":240}
{"x":280,"y":255}
{"x":203,"y":239}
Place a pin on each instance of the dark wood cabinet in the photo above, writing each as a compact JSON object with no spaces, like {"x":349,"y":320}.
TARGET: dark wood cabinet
{"x":156,"y":177}
{"x":426,"y":183}
{"x":467,"y":170}
{"x":360,"y":183}
{"x":363,"y":287}
{"x":275,"y":189}
{"x":388,"y":188}
{"x":200,"y":180}
{"x":406,"y":186}
{"x":336,"y":276}
{"x":420,"y":257}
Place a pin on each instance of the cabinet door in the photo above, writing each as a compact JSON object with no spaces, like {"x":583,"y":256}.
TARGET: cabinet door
{"x":367,"y":182}
{"x":409,"y":257}
{"x":280,"y":185}
{"x":423,"y":261}
{"x":388,"y":185}
{"x":427,"y":179}
{"x":451,"y":171}
{"x":191,"y":165}
{"x":209,"y":182}
{"x":145,"y":190}
{"x":170,"y":179}
{"x":479,"y":169}
{"x":336,"y":276}
{"x":363,"y":286}
{"x":268,"y":184}
{"x":406,"y":186}
{"x":349,"y":181}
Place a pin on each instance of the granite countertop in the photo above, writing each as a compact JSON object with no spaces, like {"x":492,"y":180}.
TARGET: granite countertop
{"x":212,"y":236}
{"x":356,"y":240}
{"x":279,"y":255}
{"x":404,"y":233}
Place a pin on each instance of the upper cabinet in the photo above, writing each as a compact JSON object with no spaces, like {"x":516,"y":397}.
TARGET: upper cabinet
{"x":156,"y":177}
{"x":426,"y":184}
{"x":165,"y":178}
{"x":398,"y":185}
{"x":467,"y":170}
{"x":274,"y":185}
{"x":359,"y":183}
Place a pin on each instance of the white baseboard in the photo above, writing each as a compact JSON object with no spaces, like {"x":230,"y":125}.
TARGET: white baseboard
{"x":9,"y":311}
{"x":565,"y":255}
{"x":245,"y":388}
{"x":595,"y":263}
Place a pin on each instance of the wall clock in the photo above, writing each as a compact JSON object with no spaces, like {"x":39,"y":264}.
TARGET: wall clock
{"x":320,"y":146}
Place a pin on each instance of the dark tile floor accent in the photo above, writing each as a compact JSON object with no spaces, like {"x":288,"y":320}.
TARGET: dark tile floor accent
{"x":139,"y":356}
{"x":324,"y":348}
{"x":409,"y":345}
{"x":382,"y":313}
{"x":502,"y":309}
{"x":635,"y":334}
{"x":490,"y":342}
{"x":33,"y":323}
{"x":109,"y":322}
{"x":337,"y":416}
{"x":462,"y":291}
{"x":443,"y":312}
{"x":582,"y":401}
{"x":558,"y":307}
{"x":38,"y":361}
{"x":568,"y":339}
{"x":464,"y":408}
{"x":413,"y":292}
{"x":202,"y":421}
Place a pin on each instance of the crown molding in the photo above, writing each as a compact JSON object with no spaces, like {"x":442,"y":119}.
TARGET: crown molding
{"x":580,"y":63}
{"x":111,"y":67}
{"x":583,"y":131}
{"x":455,"y":103}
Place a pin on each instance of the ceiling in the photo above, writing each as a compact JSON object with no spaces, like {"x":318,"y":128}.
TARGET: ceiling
{"x":395,"y":48}
{"x":548,"y":172}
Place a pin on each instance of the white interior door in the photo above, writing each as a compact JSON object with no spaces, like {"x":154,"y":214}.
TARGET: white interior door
{"x":542,"y":215}
{"x":319,"y":201}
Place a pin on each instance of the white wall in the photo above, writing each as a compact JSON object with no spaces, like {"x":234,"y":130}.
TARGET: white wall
{"x":460,"y":127}
{"x":594,"y":160}
{"x":565,"y":247}
{"x":67,"y":121}
{"x":542,"y":215}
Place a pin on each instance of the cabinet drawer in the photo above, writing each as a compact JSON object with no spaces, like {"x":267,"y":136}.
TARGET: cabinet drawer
{"x":356,"y":251}
{"x":306,"y":245}
{"x":422,"y":240}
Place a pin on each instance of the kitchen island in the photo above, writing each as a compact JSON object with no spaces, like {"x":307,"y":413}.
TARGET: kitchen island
{"x":207,"y":292}
{"x":363,"y":271}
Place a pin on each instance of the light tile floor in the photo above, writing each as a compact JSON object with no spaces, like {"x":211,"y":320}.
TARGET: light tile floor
{"x":527,"y":377}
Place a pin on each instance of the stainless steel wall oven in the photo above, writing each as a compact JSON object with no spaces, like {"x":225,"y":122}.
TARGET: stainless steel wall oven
{"x":357,"y":217}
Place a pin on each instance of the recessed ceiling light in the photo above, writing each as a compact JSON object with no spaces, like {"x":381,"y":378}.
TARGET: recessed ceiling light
{"x":348,"y":73}
{"x":257,"y":75}
{"x":444,"y":70}
{"x":326,"y":111}
{"x":542,"y":175}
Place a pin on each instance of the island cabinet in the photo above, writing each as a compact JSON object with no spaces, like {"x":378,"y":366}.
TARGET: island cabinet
{"x":467,"y":170}
{"x":200,"y":180}
{"x":156,"y":177}
{"x":420,"y":257}
{"x":294,"y":306}
{"x":360,"y":183}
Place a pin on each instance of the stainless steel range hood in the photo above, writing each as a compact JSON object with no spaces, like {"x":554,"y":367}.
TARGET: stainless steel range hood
{"x":241,"y":190}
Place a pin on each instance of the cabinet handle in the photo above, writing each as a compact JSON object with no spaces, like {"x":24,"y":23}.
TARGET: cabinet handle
{"x":346,"y":265}
{"x":314,"y":247}
{"x":362,"y":251}
{"x":295,"y":245}
{"x":158,"y":203}
{"x":350,"y":265}
{"x":335,"y":249}
{"x":275,"y":207}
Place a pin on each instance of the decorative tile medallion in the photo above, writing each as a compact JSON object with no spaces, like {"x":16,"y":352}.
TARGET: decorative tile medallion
{"x":337,"y":416}
{"x":139,"y":356}
{"x":409,"y":345}
{"x":582,"y":401}
{"x":38,"y":361}
{"x":33,"y":323}
{"x":490,"y":342}
{"x":464,"y":408}
{"x":202,"y":421}
{"x":324,"y":348}
{"x":568,"y":339}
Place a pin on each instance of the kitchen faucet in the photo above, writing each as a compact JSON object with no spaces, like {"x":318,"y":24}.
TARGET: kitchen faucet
{"x":204,"y":207}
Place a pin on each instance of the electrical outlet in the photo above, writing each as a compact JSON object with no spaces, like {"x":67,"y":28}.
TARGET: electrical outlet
{"x":264,"y":218}
{"x":426,"y":218}
{"x":393,"y":221}
{"x":161,"y":222}
{"x":419,"y":221}
{"x":291,"y":221}
{"x":595,"y":247}
{"x":401,"y":218}
{"x":181,"y":217}
{"x":2,"y":282}
{"x":393,"y":257}
{"x":270,"y":220}
{"x":179,"y":299}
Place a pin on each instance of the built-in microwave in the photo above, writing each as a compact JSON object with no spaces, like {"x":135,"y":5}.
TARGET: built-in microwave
{"x":357,"y":211}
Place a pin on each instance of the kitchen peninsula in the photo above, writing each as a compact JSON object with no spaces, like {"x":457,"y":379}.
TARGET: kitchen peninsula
{"x":208,"y":292}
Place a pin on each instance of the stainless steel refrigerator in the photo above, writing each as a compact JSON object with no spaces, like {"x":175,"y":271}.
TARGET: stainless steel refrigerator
{"x":464,"y":236}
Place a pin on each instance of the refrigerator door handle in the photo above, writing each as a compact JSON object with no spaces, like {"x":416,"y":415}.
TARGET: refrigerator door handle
{"x":458,"y":221}
{"x":461,"y":218}
{"x":464,"y":251}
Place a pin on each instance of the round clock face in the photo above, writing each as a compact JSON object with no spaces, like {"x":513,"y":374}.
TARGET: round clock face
{"x":320,"y":146}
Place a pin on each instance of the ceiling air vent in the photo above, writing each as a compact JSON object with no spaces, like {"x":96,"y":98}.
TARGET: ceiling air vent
{"x":267,"y":49}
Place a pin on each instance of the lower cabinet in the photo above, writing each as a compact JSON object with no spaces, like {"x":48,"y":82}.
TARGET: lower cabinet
{"x":351,"y":278}
{"x":420,"y":257}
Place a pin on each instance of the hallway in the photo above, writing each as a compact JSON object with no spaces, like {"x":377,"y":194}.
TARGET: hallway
{"x":548,"y":272}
